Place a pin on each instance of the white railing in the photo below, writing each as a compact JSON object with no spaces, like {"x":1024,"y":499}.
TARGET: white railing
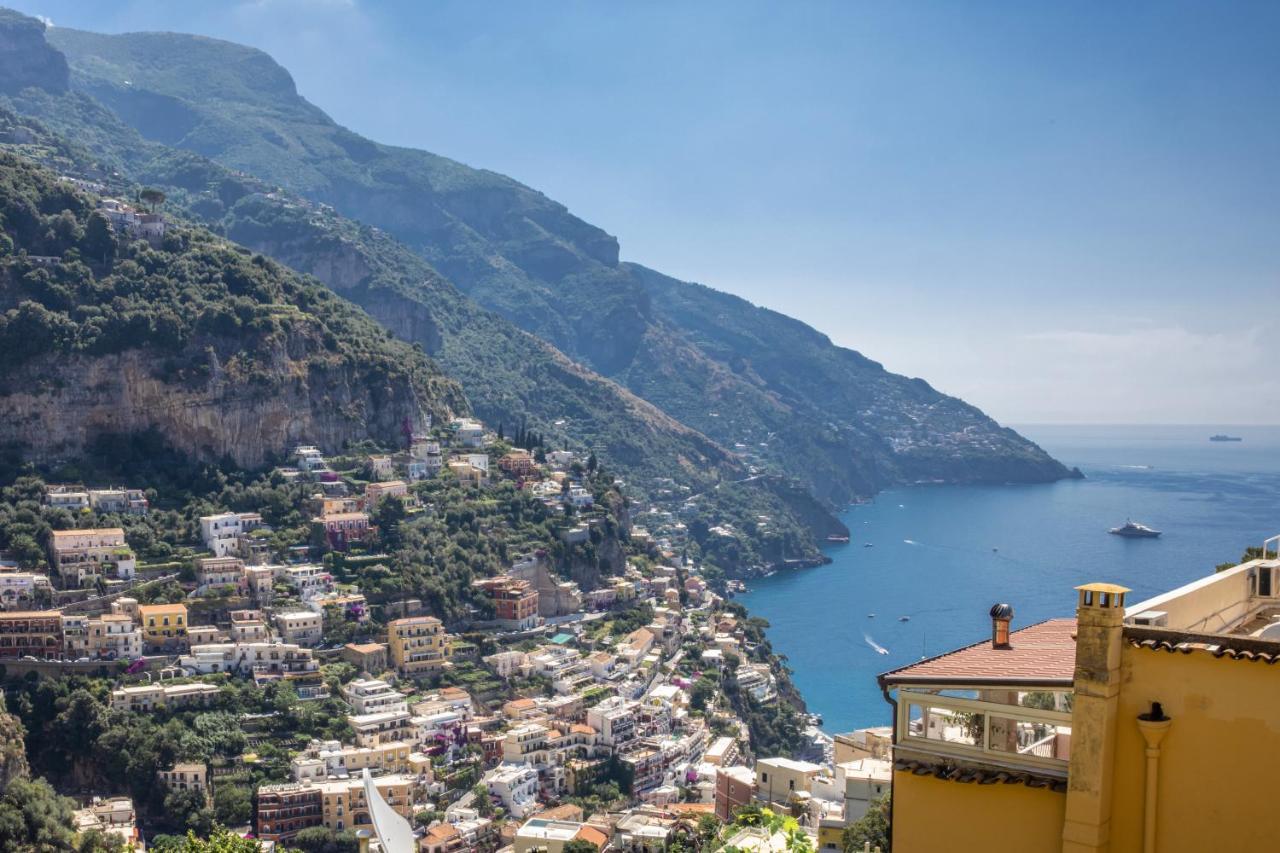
{"x":971,"y":728}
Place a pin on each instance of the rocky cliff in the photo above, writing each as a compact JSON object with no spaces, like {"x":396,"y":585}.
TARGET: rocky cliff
{"x":223,"y":353}
{"x":56,"y":406}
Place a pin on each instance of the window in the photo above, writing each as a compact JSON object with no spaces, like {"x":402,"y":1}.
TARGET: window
{"x":1264,"y":582}
{"x":764,"y":777}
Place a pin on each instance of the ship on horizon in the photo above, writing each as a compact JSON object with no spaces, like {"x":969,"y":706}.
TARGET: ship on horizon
{"x":1223,"y":437}
{"x":1135,"y":530}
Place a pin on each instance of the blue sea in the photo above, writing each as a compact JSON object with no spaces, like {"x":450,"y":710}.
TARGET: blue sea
{"x":943,"y":555}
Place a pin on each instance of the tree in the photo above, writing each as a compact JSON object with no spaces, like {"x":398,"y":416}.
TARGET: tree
{"x":99,"y":241}
{"x":579,"y":845}
{"x":871,"y":827}
{"x":704,"y":690}
{"x":152,"y":197}
{"x":484,"y":805}
{"x":317,"y":839}
{"x":186,"y":808}
{"x":232,"y":804}
{"x":219,"y":840}
{"x":33,"y":817}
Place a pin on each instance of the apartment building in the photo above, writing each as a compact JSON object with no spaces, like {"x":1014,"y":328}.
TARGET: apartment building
{"x":113,"y":636}
{"x":148,"y":697}
{"x":82,"y":556}
{"x":418,"y":645}
{"x":615,"y":719}
{"x":164,"y":627}
{"x":373,"y":696}
{"x":22,"y":590}
{"x":301,"y":627}
{"x":214,"y":573}
{"x":323,"y":760}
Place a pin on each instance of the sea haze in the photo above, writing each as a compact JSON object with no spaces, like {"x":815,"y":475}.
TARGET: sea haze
{"x":942,"y":555}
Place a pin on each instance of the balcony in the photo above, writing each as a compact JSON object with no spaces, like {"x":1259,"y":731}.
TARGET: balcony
{"x":1032,"y":731}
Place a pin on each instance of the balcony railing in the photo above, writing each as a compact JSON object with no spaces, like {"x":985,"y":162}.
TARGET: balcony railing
{"x":991,"y":731}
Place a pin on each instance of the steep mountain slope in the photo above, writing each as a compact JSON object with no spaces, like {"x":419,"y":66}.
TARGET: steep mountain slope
{"x":847,"y":427}
{"x":509,"y":375}
{"x":224,"y":354}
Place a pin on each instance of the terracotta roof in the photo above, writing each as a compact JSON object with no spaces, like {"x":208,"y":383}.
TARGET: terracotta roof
{"x":1039,"y":654}
{"x":442,"y":832}
{"x":690,"y":808}
{"x":568,"y":811}
{"x":579,"y":728}
{"x":983,"y":776}
{"x":595,"y":836}
{"x":1233,"y":647}
{"x":98,"y":531}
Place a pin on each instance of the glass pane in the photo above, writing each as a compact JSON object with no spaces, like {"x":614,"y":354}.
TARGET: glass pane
{"x":1023,"y":737}
{"x":915,"y":720}
{"x":951,"y":726}
{"x":1047,"y":700}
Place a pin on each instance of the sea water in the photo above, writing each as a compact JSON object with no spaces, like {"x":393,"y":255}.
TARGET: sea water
{"x":942,"y":555}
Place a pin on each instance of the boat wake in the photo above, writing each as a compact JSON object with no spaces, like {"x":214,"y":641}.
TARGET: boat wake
{"x":873,"y":644}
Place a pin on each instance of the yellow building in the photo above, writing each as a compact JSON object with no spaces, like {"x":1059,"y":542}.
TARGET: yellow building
{"x":1152,"y":727}
{"x":418,"y":645}
{"x":164,"y":626}
{"x":343,"y":804}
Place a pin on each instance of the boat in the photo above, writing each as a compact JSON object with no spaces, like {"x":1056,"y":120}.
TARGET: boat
{"x":871,"y":616}
{"x":868,"y":545}
{"x":904,"y":618}
{"x":1134,"y":530}
{"x":835,"y":537}
{"x":1221,"y":437}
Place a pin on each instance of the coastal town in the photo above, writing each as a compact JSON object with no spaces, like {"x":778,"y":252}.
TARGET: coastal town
{"x":546,"y":712}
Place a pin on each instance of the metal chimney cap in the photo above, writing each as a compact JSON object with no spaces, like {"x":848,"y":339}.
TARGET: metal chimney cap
{"x":1002,"y":611}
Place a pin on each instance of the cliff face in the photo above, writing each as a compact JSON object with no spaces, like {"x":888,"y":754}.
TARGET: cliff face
{"x":26,"y":59}
{"x":220,"y":352}
{"x":56,"y":406}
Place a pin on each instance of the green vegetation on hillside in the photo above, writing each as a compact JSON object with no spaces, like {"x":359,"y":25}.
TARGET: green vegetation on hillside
{"x":206,"y":313}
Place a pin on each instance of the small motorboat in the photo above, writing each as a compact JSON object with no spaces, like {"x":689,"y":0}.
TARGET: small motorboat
{"x":904,"y":618}
{"x":871,"y":616}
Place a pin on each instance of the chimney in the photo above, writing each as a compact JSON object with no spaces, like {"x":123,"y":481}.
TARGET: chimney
{"x":1001,"y":616}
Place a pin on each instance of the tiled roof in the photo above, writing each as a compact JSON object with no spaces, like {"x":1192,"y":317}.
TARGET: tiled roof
{"x":593,"y":835}
{"x":983,"y":776}
{"x":1040,"y":653}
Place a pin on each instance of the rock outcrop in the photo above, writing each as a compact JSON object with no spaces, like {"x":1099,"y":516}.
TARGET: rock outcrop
{"x":57,"y":406}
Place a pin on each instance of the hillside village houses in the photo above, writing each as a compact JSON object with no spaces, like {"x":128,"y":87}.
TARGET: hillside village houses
{"x":541,"y":700}
{"x":83,"y":556}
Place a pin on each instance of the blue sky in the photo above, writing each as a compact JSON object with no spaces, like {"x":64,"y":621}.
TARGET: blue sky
{"x":1060,"y":212}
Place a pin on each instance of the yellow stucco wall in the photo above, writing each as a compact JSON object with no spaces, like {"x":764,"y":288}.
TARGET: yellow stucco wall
{"x":1217,"y":784}
{"x":932,"y":815}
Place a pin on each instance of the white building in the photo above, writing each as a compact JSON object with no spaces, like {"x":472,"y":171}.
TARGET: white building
{"x":855,"y":785}
{"x":517,"y":786}
{"x":20,"y":590}
{"x":615,"y":720}
{"x":373,"y":696}
{"x":306,"y":580}
{"x":221,"y":533}
{"x":249,"y":658}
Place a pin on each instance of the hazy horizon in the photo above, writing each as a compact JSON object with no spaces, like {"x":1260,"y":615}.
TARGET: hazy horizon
{"x":1062,"y":215}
